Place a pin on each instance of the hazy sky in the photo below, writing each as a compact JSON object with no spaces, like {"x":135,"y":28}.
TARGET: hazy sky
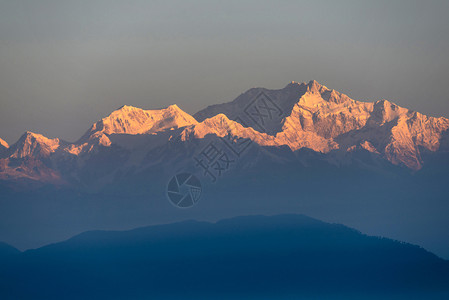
{"x":66,"y":64}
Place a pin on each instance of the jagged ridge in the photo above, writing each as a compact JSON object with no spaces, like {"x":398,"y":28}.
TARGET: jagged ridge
{"x":312,"y":116}
{"x":321,"y":119}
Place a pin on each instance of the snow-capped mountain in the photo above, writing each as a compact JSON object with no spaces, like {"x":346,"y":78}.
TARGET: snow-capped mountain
{"x":299,"y":116}
{"x":31,"y":157}
{"x":133,"y":120}
{"x":33,"y":144}
{"x":315,"y":117}
{"x":3,"y":144}
{"x":3,"y":147}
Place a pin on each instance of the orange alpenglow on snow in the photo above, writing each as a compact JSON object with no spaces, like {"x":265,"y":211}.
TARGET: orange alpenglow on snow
{"x":313,"y":116}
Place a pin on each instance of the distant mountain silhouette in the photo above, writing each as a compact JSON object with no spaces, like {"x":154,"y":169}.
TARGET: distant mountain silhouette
{"x":7,"y":250}
{"x":255,"y":256}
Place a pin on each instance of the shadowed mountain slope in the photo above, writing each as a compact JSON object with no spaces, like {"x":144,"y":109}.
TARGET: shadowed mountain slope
{"x":254,"y":256}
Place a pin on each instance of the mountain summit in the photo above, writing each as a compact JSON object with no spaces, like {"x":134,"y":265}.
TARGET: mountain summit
{"x":34,"y":144}
{"x":133,"y":120}
{"x":3,"y":144}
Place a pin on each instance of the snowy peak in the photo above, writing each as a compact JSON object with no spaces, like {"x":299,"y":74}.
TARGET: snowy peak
{"x":385,"y":111}
{"x":311,"y":85}
{"x":219,"y":125}
{"x":3,"y":144}
{"x":322,"y":119}
{"x":3,"y":148}
{"x":133,"y":120}
{"x":320,"y":93}
{"x":93,"y":141}
{"x":220,"y":120}
{"x":314,"y":87}
{"x":34,"y":144}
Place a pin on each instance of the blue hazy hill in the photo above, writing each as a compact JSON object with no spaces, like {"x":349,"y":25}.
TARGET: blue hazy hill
{"x":254,"y":256}
{"x":7,"y":250}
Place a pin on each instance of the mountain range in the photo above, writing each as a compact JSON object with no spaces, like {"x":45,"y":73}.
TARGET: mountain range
{"x":305,"y":148}
{"x":299,"y":116}
{"x":249,"y":257}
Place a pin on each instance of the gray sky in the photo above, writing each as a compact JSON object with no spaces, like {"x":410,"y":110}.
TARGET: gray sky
{"x":66,"y":64}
